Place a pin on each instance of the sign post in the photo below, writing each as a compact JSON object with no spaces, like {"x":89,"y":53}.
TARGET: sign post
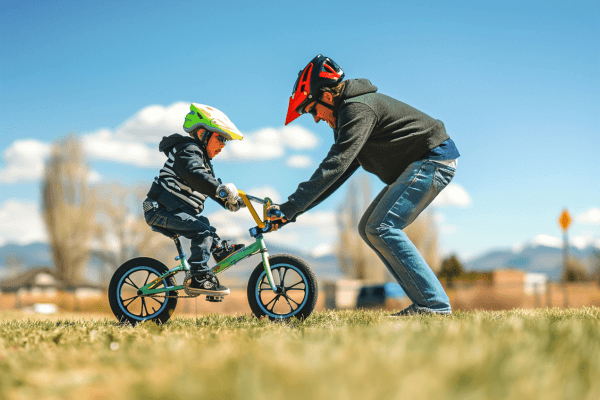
{"x":564,"y":221}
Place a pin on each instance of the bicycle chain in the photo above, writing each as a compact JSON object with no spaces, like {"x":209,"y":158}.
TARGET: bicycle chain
{"x":177,"y":296}
{"x":171,"y":297}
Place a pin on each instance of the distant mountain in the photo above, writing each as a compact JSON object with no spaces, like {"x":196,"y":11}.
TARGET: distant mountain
{"x":532,"y":258}
{"x":39,"y":254}
{"x":31,"y":254}
{"x":539,"y":259}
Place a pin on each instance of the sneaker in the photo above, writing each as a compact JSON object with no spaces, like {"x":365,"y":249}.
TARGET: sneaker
{"x":225,"y":250}
{"x":205,"y":282}
{"x":413,"y":309}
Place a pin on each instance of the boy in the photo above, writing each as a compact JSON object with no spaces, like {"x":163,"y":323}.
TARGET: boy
{"x":177,"y":195}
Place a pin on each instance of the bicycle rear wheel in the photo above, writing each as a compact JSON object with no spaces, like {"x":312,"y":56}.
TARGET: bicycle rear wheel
{"x":297,"y":289}
{"x":125,"y":301}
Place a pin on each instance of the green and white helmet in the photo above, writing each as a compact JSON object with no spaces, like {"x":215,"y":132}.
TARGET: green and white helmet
{"x":206,"y":117}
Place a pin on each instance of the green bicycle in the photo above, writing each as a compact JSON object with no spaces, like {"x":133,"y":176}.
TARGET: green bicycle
{"x":282,"y":286}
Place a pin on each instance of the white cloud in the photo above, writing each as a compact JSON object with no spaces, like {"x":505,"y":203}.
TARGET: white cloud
{"x":591,"y":216}
{"x":103,"y":145}
{"x":299,"y":161}
{"x":94,"y":177}
{"x":21,"y":222}
{"x":151,"y":123}
{"x":452,"y":195}
{"x":581,"y":242}
{"x":25,"y":161}
{"x":548,"y":241}
{"x":323,"y":249}
{"x":264,"y":191}
{"x":263,"y":145}
{"x":298,"y":138}
{"x":127,"y":144}
{"x":323,"y":219}
{"x":269,"y":143}
{"x":517,"y":247}
{"x":444,"y":228}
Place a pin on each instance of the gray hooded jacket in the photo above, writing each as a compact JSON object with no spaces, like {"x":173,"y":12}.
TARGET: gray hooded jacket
{"x":375,"y":131}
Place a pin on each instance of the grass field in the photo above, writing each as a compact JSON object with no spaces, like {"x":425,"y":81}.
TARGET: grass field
{"x":533,"y":354}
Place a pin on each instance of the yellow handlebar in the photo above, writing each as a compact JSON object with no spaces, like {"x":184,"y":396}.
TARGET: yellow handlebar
{"x":261,"y":224}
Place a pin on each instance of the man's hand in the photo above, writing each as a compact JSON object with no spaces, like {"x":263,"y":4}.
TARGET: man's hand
{"x":275,"y":216}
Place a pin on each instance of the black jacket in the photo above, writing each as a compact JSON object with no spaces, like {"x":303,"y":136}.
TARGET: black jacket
{"x":187,"y":178}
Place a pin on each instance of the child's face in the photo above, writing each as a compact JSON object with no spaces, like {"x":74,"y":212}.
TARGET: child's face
{"x":214,"y":146}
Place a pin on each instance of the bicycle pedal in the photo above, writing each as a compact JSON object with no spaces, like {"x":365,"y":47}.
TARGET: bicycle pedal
{"x":215,"y":299}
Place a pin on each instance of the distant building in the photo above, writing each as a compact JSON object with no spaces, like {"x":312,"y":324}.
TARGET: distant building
{"x":45,"y":282}
{"x":516,"y":282}
{"x":535,"y":283}
{"x":350,"y":294}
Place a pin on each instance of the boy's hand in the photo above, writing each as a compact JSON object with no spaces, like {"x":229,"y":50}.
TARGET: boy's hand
{"x":233,"y":207}
{"x":228,"y":192}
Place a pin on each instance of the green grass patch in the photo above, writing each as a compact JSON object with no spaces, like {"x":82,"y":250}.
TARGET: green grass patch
{"x":538,"y":354}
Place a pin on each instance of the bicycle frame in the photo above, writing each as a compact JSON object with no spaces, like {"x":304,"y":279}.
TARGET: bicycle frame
{"x":258,"y":246}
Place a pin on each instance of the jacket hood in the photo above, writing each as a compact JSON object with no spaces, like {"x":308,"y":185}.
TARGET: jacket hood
{"x":168,"y":142}
{"x":356,"y":87}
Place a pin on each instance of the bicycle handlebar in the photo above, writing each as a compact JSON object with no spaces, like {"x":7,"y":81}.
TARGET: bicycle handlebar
{"x":266,"y":202}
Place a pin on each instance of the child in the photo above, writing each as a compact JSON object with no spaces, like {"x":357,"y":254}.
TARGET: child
{"x":177,"y":195}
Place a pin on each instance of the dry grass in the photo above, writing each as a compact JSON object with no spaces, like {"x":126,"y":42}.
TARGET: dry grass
{"x":539,"y":354}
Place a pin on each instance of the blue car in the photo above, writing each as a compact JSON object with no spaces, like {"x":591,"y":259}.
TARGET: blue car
{"x":374,"y":296}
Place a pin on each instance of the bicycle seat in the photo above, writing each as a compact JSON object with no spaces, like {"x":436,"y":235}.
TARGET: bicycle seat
{"x":164,"y":231}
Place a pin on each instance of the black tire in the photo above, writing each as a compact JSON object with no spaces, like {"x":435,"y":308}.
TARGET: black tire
{"x":297,"y":278}
{"x":133,"y":308}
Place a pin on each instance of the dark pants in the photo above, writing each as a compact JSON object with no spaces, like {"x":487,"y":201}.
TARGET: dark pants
{"x":184,"y":223}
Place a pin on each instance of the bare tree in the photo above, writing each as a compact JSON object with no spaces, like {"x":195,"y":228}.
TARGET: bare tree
{"x":121,"y":231}
{"x":355,"y":258}
{"x":68,"y":208}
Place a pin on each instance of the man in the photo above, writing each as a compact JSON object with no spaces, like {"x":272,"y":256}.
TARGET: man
{"x":408,"y":150}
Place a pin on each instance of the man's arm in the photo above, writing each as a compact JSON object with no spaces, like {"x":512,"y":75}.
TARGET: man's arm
{"x":331,"y":189}
{"x":353,"y":132}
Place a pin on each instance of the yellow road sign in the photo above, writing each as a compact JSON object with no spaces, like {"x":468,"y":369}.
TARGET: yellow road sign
{"x":564,"y":220}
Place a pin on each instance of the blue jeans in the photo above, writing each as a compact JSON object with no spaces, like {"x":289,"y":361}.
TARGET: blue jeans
{"x":398,"y":205}
{"x":192,"y":226}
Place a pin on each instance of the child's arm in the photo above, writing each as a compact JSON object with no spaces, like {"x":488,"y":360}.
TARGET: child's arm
{"x":189,"y":166}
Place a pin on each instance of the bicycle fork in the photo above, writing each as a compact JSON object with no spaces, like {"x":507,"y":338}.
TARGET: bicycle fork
{"x":265,"y":256}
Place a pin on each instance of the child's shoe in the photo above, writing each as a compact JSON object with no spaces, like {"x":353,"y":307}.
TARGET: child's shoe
{"x":225,"y":250}
{"x":205,"y":282}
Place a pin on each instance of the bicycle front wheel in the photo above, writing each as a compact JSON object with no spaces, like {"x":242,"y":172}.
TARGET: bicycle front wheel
{"x":123,"y":292}
{"x":296,"y":284}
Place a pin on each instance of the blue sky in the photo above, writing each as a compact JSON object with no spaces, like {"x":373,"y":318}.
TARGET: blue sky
{"x":516,"y":84}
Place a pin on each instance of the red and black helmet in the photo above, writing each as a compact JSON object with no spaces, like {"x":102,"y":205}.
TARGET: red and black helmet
{"x":319,"y":73}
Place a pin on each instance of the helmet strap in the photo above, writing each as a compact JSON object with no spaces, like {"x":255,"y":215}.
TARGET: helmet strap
{"x":205,"y":137}
{"x":326,"y":105}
